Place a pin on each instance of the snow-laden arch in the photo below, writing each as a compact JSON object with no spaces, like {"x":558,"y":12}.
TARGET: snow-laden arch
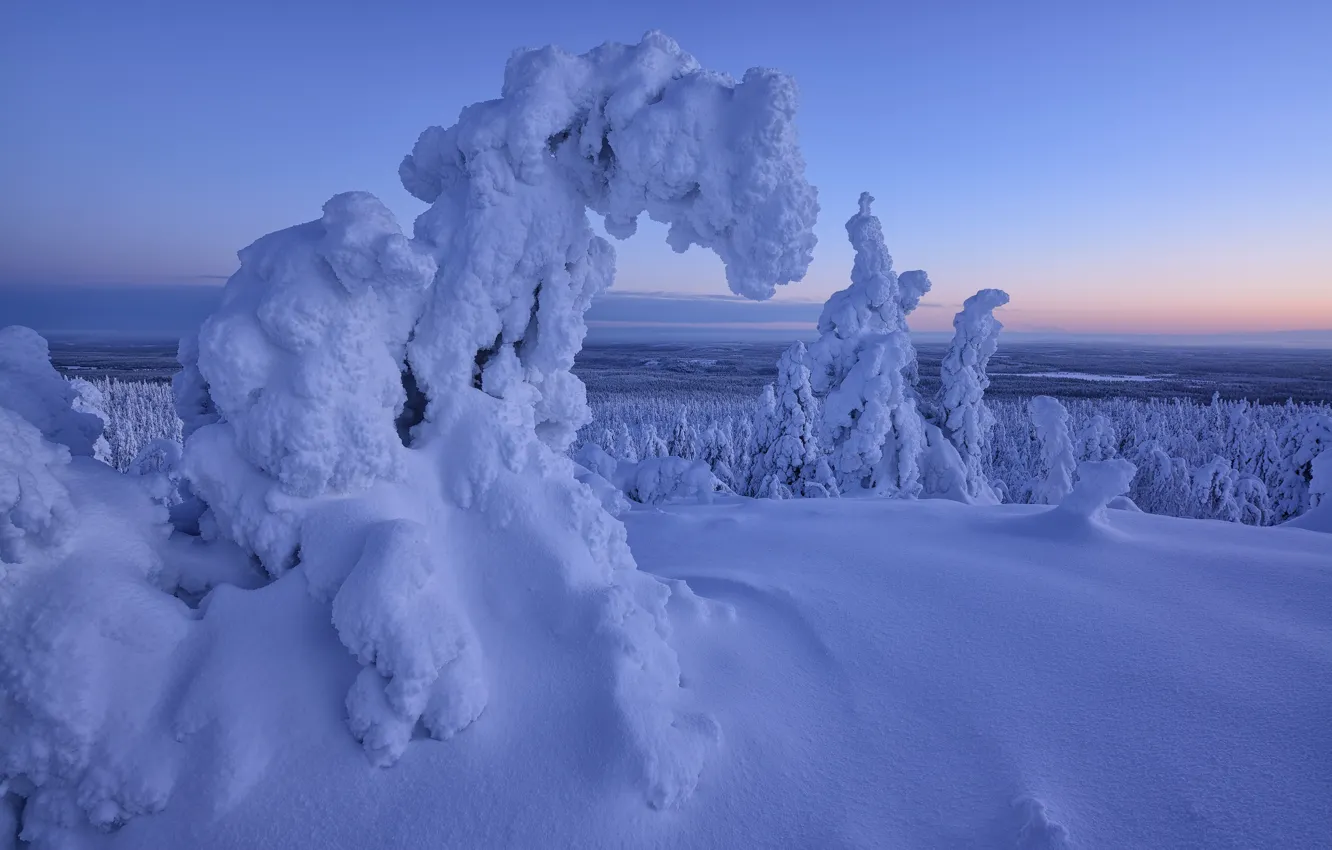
{"x":390,"y":414}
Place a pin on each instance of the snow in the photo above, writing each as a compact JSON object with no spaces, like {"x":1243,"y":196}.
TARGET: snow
{"x":32,"y":388}
{"x":1083,"y":376}
{"x":981,"y":682}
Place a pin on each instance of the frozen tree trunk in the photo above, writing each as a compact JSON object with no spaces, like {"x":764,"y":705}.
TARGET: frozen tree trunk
{"x":963,"y":381}
{"x":860,"y":368}
{"x":348,"y":363}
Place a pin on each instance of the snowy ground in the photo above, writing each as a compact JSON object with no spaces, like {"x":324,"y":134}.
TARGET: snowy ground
{"x":883,"y":674}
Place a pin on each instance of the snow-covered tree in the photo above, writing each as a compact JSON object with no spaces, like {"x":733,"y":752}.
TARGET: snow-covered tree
{"x":1050,"y":419}
{"x":793,"y":465}
{"x":1098,"y":484}
{"x":347,"y":360}
{"x":762,"y":436}
{"x":684,"y":441}
{"x":963,"y":381}
{"x":1097,"y":439}
{"x":870,"y":424}
{"x":625,"y":449}
{"x":653,"y":444}
{"x":1306,"y":437}
{"x":719,"y":453}
{"x":1222,"y":492}
{"x":1163,"y":482}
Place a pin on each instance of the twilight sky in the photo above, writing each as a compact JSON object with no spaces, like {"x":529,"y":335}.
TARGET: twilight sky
{"x":1158,"y":167}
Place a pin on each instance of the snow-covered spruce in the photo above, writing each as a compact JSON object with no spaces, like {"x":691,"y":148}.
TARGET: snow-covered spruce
{"x":792,"y":463}
{"x":859,"y":371}
{"x":963,"y":381}
{"x":1319,"y":516}
{"x":1050,"y":420}
{"x":392,"y":414}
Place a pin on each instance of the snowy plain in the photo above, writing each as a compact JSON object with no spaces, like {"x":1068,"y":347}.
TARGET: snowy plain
{"x":883,"y":673}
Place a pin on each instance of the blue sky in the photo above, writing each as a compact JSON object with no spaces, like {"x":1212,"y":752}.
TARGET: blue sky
{"x":1132,"y":166}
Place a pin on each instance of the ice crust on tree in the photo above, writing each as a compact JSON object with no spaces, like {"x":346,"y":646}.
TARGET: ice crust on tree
{"x":966,"y":419}
{"x":1050,"y":420}
{"x":376,"y":408}
{"x":860,"y":371}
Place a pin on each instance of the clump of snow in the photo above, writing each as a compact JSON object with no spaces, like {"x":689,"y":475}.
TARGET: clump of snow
{"x":1099,"y":482}
{"x":89,"y":399}
{"x":33,"y":389}
{"x":966,"y":419}
{"x":1050,"y":419}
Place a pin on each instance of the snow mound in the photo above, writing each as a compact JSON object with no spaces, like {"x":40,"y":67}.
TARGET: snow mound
{"x":33,"y":389}
{"x":654,"y":480}
{"x":1099,"y":482}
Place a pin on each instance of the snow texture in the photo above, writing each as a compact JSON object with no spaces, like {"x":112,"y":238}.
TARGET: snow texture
{"x":963,"y":381}
{"x":860,"y":371}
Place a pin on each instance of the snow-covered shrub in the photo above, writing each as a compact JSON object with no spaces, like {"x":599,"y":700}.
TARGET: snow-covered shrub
{"x":963,"y":381}
{"x":859,"y":364}
{"x":34,"y":390}
{"x":943,"y":474}
{"x":1163,"y":482}
{"x":792,"y":464}
{"x":1099,"y":482}
{"x":1050,"y":419}
{"x":394,"y":413}
{"x":655,"y":480}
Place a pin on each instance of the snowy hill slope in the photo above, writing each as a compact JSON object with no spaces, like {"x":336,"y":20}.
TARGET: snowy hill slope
{"x":883,"y":674}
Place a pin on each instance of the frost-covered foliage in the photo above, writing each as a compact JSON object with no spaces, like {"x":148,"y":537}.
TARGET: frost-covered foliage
{"x":34,"y":390}
{"x":861,"y":365}
{"x":966,"y":419}
{"x":1050,"y":420}
{"x":392,"y":414}
{"x":792,"y":464}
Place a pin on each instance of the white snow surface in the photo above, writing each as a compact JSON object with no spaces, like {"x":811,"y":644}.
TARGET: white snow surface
{"x":997,"y":677}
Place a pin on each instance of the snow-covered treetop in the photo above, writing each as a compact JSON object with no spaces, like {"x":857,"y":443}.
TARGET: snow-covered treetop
{"x":643,"y":128}
{"x":872,"y":303}
{"x":620,"y":130}
{"x":911,"y":287}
